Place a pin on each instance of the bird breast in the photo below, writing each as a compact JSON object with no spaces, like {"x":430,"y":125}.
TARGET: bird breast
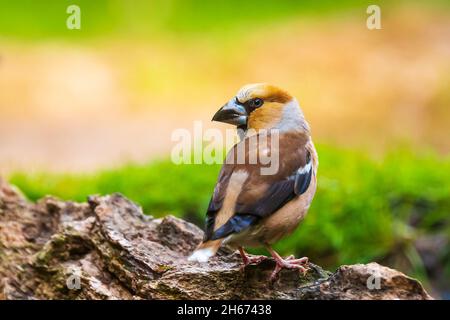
{"x":286,"y":219}
{"x":278,"y":225}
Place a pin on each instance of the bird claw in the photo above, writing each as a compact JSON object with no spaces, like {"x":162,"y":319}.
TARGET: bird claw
{"x":253,"y":260}
{"x":301,"y":261}
{"x":290,"y":263}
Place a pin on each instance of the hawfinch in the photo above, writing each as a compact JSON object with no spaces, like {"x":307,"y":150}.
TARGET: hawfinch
{"x":251,"y":207}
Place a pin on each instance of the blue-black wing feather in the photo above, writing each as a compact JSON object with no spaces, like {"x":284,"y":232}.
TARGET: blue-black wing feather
{"x":236,"y":224}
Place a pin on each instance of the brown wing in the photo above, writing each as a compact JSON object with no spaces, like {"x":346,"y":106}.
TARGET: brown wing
{"x":261,"y":194}
{"x":215,"y":204}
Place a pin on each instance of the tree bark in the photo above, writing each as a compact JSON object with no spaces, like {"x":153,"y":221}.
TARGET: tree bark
{"x":108,"y":249}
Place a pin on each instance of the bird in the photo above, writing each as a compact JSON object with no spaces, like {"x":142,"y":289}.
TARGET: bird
{"x":249,"y":208}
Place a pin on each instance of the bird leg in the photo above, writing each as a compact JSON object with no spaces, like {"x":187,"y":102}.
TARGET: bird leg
{"x":250,"y":260}
{"x":289,"y":263}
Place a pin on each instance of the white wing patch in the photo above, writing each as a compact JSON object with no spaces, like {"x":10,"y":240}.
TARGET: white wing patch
{"x":305,"y":169}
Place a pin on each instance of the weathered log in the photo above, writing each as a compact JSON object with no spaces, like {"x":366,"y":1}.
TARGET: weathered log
{"x":108,"y":249}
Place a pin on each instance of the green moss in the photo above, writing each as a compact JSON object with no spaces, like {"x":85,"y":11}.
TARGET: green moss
{"x":163,"y":268}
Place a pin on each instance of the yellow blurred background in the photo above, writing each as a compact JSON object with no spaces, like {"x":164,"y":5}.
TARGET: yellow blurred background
{"x":79,"y":100}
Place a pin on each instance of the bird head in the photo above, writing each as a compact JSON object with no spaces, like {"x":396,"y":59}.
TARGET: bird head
{"x":262,"y":106}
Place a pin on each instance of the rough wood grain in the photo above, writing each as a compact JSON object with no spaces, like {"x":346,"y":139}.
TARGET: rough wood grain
{"x":107,"y":249}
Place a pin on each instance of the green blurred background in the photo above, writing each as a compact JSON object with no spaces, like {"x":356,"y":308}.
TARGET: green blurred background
{"x":92,"y":111}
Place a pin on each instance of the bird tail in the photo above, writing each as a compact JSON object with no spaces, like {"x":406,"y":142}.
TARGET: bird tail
{"x":205,"y":250}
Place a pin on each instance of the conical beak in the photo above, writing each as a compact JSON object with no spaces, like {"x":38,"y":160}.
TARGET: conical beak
{"x":232,"y":113}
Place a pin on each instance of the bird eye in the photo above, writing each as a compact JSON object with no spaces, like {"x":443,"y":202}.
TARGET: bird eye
{"x":256,"y":103}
